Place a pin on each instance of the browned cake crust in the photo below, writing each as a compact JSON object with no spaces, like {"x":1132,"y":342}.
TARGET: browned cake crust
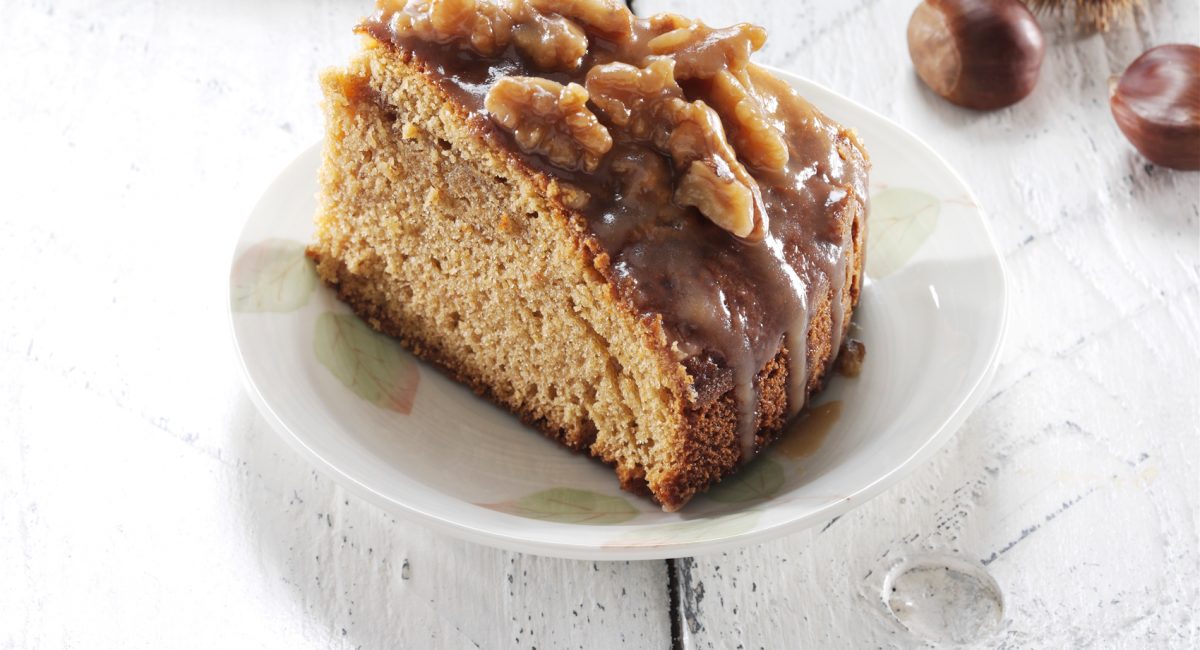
{"x":402,"y":154}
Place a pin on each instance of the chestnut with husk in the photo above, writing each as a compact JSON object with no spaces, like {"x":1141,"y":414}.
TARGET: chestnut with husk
{"x":980,"y":54}
{"x":1156,"y":104}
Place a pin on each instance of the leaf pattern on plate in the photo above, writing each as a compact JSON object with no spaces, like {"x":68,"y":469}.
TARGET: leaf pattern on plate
{"x":758,"y":480}
{"x":803,"y":437}
{"x":901,"y":219}
{"x":569,"y":506}
{"x":371,"y":364}
{"x":706,"y":529}
{"x":272,"y":275}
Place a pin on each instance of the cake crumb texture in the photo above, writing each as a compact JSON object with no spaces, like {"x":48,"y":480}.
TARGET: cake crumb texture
{"x":472,"y":260}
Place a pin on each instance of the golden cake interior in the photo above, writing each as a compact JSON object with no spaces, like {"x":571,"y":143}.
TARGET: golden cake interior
{"x":491,"y":251}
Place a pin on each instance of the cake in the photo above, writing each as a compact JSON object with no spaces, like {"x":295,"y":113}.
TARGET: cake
{"x":618,"y":228}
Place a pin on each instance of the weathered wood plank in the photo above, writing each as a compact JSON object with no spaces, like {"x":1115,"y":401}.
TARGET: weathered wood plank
{"x":1074,"y":487}
{"x":143,"y":502}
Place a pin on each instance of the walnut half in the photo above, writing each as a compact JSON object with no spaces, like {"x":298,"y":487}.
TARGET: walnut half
{"x":713,"y":180}
{"x":751,"y":130}
{"x":651,"y":107}
{"x":486,"y":24}
{"x":609,"y":17}
{"x":550,"y":119}
{"x":631,"y":97}
{"x":700,"y":51}
{"x":551,"y":42}
{"x":720,"y":197}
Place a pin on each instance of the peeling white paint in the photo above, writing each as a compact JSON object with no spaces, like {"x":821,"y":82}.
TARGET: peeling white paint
{"x":1075,"y":486}
{"x":143,"y":502}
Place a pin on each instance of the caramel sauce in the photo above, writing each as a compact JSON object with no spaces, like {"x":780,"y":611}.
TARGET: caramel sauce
{"x":805,"y":434}
{"x":728,"y":303}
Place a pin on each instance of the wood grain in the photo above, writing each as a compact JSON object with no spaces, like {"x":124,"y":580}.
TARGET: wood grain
{"x":143,"y":502}
{"x":1075,"y":486}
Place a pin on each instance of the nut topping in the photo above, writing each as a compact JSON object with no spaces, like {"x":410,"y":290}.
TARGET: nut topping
{"x":728,"y":203}
{"x":649,"y":105}
{"x":631,"y":97}
{"x":608,"y":17}
{"x":706,"y":145}
{"x":666,"y":22}
{"x":550,"y":119}
{"x":700,"y":51}
{"x":714,"y":181}
{"x":486,"y":24}
{"x":551,"y":43}
{"x":751,"y":130}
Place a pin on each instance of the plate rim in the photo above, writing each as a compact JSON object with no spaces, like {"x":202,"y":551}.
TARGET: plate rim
{"x":939,"y":436}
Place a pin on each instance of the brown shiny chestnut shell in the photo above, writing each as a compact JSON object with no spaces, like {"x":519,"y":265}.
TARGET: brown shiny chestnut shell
{"x":980,"y":54}
{"x":1156,"y":104}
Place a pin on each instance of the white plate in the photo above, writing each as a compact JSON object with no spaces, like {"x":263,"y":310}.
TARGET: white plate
{"x":400,"y":434}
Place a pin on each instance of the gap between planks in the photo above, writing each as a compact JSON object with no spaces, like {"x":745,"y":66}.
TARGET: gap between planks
{"x":673,"y":609}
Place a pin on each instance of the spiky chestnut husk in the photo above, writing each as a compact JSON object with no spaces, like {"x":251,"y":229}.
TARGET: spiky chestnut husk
{"x":1096,"y":14}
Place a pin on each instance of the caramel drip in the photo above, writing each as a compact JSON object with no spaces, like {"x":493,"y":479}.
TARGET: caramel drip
{"x":722,"y":299}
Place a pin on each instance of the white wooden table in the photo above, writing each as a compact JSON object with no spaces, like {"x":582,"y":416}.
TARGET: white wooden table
{"x":144,"y":503}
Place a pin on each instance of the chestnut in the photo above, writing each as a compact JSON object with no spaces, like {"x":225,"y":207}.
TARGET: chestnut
{"x":980,"y":54}
{"x":1156,"y":104}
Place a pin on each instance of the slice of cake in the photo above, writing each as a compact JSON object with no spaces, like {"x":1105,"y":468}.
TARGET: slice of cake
{"x":616,"y":227}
